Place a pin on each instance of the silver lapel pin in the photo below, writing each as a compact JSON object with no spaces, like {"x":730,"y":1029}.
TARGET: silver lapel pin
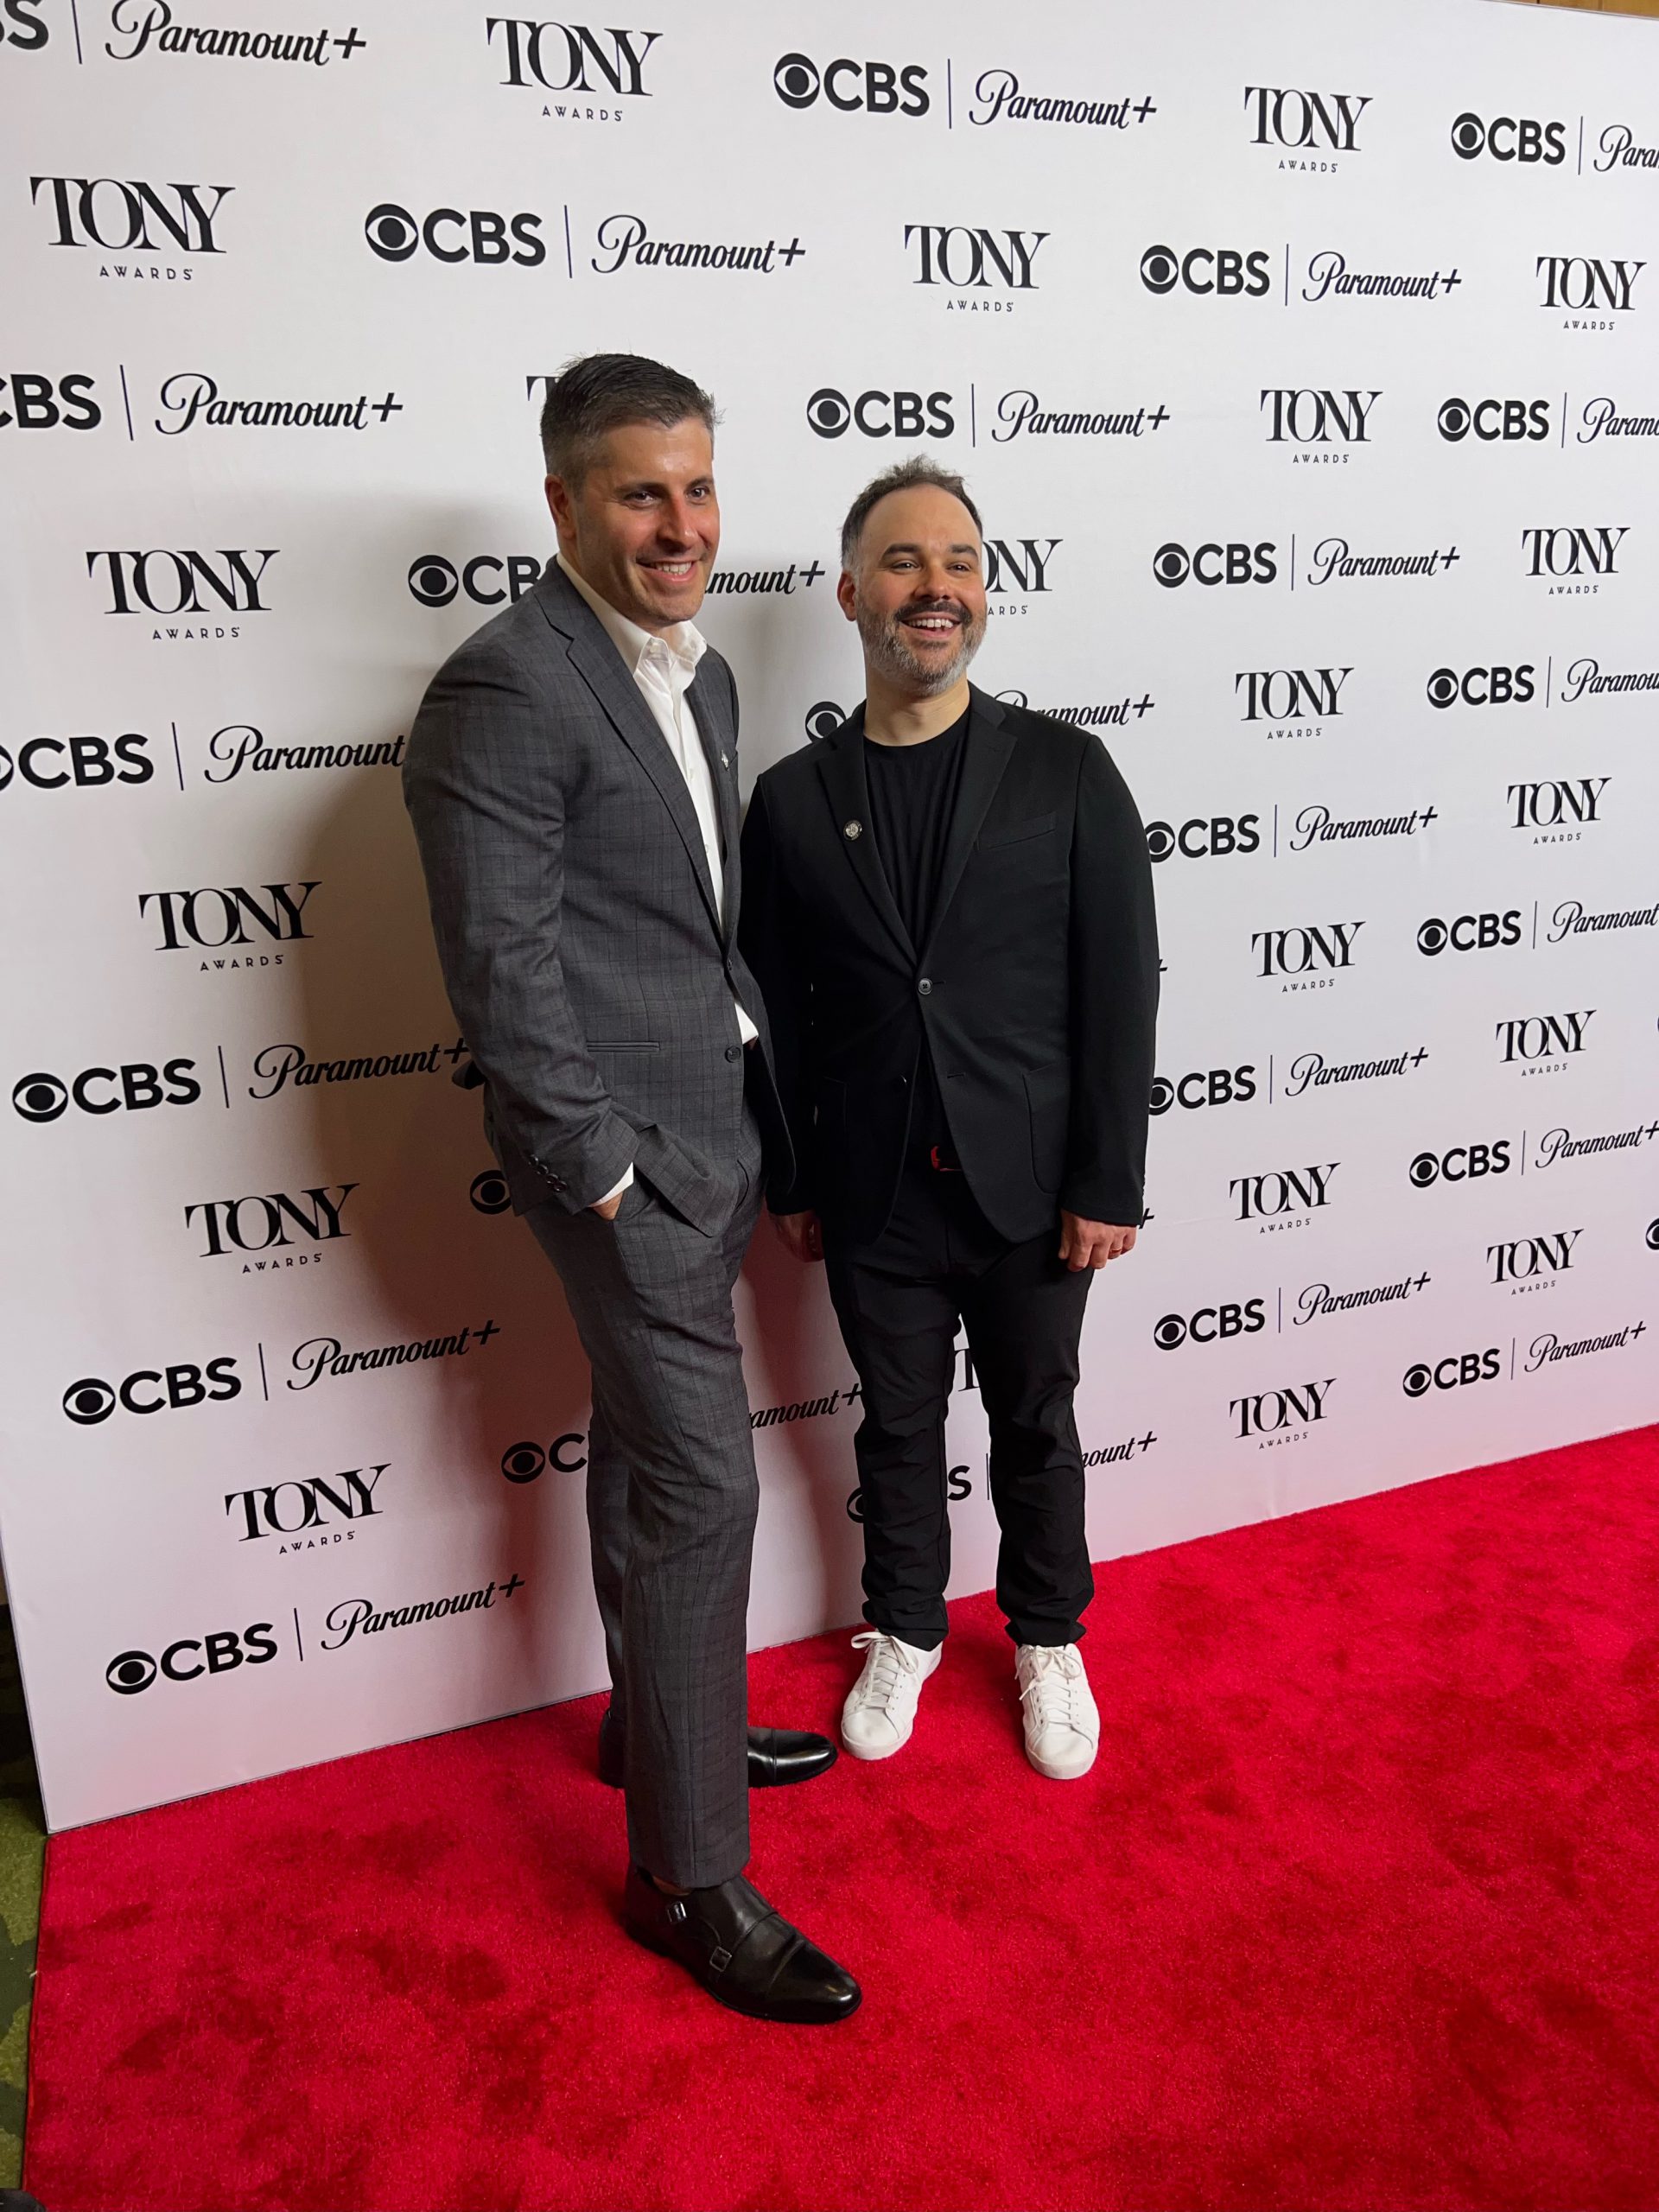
{"x":852,"y":830}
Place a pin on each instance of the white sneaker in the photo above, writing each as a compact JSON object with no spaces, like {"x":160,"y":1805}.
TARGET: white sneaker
{"x":881,"y":1708}
{"x":1062,"y":1721}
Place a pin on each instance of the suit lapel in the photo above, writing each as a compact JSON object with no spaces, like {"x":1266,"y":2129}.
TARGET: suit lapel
{"x":840,"y":767}
{"x":601,"y":668}
{"x":989,"y":746}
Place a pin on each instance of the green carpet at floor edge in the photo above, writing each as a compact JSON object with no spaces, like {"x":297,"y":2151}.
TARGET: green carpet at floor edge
{"x":23,"y":1850}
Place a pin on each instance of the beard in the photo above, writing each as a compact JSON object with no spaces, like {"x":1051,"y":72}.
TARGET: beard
{"x":889,"y":649}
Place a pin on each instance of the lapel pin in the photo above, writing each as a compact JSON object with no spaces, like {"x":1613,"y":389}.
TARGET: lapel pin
{"x":724,"y":759}
{"x":852,"y":830}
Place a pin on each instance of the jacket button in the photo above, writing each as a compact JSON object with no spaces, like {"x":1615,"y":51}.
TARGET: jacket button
{"x":558,"y":1182}
{"x":923,"y":986}
{"x":734,"y":1052}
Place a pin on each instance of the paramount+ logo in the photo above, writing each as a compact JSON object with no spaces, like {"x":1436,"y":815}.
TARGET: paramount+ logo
{"x":853,"y":87}
{"x":191,"y":1658}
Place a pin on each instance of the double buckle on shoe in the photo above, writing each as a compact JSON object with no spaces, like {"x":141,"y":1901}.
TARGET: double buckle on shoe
{"x":720,"y":1958}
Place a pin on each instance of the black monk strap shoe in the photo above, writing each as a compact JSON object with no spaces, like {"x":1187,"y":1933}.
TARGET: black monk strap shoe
{"x":776,"y":1756}
{"x":743,"y":1953}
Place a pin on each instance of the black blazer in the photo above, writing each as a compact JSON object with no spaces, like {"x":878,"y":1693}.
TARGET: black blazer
{"x":1037,"y":989}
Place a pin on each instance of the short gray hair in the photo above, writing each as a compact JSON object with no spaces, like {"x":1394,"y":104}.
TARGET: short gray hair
{"x":597,"y":393}
{"x":903,"y":477}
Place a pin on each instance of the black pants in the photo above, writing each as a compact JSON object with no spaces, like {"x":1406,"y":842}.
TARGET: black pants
{"x":898,"y":1301}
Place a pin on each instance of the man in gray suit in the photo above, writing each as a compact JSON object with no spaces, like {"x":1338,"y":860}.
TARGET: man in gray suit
{"x":572,"y":779}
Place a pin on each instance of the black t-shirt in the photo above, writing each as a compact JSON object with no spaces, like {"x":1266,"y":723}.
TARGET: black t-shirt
{"x":913,"y":798}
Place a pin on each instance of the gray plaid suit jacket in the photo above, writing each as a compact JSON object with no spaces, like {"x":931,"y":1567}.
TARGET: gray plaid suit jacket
{"x":576,"y":924}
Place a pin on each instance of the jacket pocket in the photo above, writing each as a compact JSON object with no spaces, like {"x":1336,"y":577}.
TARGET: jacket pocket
{"x":623,"y":1045}
{"x":1048,"y":1102}
{"x":1012,"y":833}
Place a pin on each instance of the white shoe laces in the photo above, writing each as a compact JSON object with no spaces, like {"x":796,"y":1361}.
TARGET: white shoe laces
{"x":1050,"y":1691}
{"x":890,"y":1665}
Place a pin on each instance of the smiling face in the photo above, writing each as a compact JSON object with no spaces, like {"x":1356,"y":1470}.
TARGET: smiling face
{"x":918,"y":590}
{"x":643,"y":526}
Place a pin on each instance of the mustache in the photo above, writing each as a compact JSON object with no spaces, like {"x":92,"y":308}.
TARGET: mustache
{"x":953,"y":608}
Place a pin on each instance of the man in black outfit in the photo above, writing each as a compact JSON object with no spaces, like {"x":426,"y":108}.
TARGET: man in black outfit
{"x":948,"y":907}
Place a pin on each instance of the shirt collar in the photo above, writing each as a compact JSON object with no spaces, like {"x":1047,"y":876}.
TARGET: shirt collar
{"x":682,"y":647}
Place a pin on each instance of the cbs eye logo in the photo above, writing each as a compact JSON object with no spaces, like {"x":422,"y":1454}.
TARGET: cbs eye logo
{"x":829,"y":413}
{"x":1170,"y":1332}
{"x":1417,"y":1380}
{"x":797,"y":81}
{"x":1455,"y":419}
{"x":1433,"y":937}
{"x":129,"y":1672}
{"x":391,"y":232}
{"x":432,"y":579}
{"x":41,"y":1097}
{"x":1653,"y":1236}
{"x":1423,"y":1169}
{"x":523,"y":1463}
{"x":824,"y":720}
{"x":1160,"y":268}
{"x":1172,"y":564}
{"x":490,"y":1194}
{"x":88,"y":1402}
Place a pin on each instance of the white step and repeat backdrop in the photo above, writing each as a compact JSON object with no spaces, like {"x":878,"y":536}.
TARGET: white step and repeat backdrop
{"x":1305,"y":361}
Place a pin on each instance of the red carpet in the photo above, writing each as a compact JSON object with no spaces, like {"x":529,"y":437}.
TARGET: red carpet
{"x":1360,"y":1907}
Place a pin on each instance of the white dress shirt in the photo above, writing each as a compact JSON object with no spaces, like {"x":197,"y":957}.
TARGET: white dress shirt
{"x":662,"y":668}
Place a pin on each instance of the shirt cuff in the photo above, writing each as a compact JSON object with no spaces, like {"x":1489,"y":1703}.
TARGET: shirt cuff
{"x":624,"y":1185}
